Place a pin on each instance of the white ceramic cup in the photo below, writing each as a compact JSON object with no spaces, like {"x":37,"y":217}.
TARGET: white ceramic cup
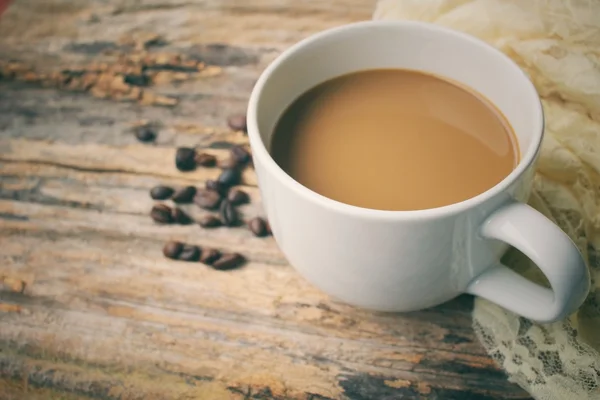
{"x":409,"y":260}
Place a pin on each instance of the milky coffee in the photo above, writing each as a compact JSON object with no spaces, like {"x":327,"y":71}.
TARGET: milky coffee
{"x":394,"y":139}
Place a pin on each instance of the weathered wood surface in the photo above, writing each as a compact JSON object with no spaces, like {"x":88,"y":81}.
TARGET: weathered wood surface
{"x":89,"y":308}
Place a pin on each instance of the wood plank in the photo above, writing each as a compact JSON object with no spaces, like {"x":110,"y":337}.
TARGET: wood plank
{"x":133,"y":159}
{"x":80,"y":279}
{"x":275,"y":23}
{"x":89,"y":308}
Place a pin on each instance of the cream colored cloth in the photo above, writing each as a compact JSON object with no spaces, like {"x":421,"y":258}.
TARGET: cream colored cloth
{"x":557,"y":42}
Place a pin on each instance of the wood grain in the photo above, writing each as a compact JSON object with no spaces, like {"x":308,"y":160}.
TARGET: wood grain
{"x":89,"y":308}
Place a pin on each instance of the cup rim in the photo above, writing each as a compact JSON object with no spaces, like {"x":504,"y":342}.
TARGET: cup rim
{"x":261,"y":153}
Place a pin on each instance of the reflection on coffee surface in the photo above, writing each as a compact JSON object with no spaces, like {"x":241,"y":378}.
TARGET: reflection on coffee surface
{"x":393,"y":139}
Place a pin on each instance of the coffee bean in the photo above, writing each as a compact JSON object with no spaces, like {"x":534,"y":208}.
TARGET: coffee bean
{"x":240,"y":154}
{"x":161,"y":192}
{"x":180,"y":217}
{"x":216,"y":186}
{"x":209,"y":256}
{"x":269,"y":231}
{"x":172,"y":249}
{"x":237,"y":197}
{"x":136,"y":79}
{"x":185,"y":159}
{"x":184,"y":195}
{"x":210,"y":221}
{"x":189,"y":252}
{"x":228,"y":163}
{"x":229,"y":261}
{"x":237,"y":122}
{"x":258,"y":226}
{"x":230,"y":177}
{"x":161,"y":214}
{"x":206,"y":160}
{"x":144,"y":133}
{"x":229,"y":215}
{"x":207,"y":199}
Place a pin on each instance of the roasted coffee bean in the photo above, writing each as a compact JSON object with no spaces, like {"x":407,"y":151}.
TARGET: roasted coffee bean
{"x":172,"y":249}
{"x":210,"y":221}
{"x":229,"y":215}
{"x":206,"y":160}
{"x":161,"y":192}
{"x":189,"y":252}
{"x":237,"y":122}
{"x":145,"y":133}
{"x":161,"y":214}
{"x":230,"y":177}
{"x":258,"y":226}
{"x":184,"y":195}
{"x":137,"y":79}
{"x":240,"y":154}
{"x":209,"y":256}
{"x":185,"y":159}
{"x":237,"y":197}
{"x":228,"y":163}
{"x":180,"y":217}
{"x":228,"y":261}
{"x":207,"y":199}
{"x":216,"y":186}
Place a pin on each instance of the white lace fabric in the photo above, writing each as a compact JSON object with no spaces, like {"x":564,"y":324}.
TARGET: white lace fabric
{"x":557,"y":42}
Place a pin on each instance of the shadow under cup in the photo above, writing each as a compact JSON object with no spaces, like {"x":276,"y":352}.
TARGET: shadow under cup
{"x":424,"y":257}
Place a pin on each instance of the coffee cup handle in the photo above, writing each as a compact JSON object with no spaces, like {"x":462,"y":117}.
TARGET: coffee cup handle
{"x":550,"y":249}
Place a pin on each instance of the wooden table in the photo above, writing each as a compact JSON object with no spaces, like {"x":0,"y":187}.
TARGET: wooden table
{"x":89,"y":307}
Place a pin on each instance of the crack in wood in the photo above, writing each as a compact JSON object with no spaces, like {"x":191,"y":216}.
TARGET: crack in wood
{"x":13,"y":217}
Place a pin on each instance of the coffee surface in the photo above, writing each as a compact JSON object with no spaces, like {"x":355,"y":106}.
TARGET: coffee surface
{"x":394,"y":140}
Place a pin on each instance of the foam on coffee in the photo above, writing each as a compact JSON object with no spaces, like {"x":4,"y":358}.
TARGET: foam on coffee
{"x":393,"y":139}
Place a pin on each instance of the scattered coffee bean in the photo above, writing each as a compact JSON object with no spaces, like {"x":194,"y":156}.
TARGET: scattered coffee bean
{"x":210,"y":221}
{"x":228,"y":261}
{"x":229,"y":215}
{"x":206,"y":160}
{"x":137,"y":79}
{"x":228,"y":163}
{"x":189,"y":252}
{"x":144,"y":133}
{"x":207,"y":199}
{"x":237,"y":197}
{"x":180,"y":217}
{"x":240,"y":154}
{"x":184,"y":195}
{"x":216,"y":186}
{"x":161,"y":214}
{"x":237,"y":122}
{"x":209,"y":256}
{"x":258,"y":226}
{"x":172,"y":249}
{"x":161,"y":192}
{"x":230,"y":177}
{"x":185,"y":159}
